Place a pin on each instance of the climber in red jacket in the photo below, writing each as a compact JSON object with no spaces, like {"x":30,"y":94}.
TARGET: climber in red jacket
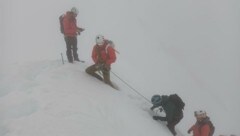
{"x":70,"y":31}
{"x":103,"y":55}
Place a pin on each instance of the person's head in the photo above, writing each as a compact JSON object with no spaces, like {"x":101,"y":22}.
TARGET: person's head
{"x":156,"y":99}
{"x":100,"y":40}
{"x":200,"y":115}
{"x":74,"y":10}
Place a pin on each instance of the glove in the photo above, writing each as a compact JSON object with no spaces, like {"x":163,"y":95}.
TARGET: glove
{"x":155,"y":117}
{"x":80,"y":29}
{"x":99,"y":66}
{"x":107,"y":67}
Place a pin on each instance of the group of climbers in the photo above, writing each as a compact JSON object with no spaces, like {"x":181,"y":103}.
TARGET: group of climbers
{"x":173,"y":107}
{"x":103,"y":55}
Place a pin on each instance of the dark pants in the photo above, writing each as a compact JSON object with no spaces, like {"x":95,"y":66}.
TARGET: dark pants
{"x":171,"y":124}
{"x":71,"y":44}
{"x":105,"y":73}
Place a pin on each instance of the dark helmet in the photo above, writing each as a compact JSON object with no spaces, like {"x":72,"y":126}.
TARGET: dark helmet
{"x":156,"y":99}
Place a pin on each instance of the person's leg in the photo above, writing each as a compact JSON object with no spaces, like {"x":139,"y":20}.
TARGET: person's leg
{"x":74,"y":48}
{"x":69,"y":49}
{"x":91,"y":70}
{"x":171,"y":125}
{"x":106,"y":77}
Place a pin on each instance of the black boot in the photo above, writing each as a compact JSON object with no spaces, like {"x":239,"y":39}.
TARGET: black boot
{"x":172,"y":130}
{"x":69,"y":56}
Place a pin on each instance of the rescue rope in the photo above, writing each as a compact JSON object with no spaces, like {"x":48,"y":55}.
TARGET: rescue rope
{"x":129,"y":86}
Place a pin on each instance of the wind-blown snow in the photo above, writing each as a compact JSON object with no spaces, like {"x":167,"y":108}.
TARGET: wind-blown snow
{"x":185,"y":47}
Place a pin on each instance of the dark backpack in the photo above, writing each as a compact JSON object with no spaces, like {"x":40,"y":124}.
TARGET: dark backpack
{"x":212,"y":128}
{"x":177,"y":101}
{"x":61,"y":23}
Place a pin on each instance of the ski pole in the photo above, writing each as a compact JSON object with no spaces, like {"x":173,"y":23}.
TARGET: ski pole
{"x":62,"y":59}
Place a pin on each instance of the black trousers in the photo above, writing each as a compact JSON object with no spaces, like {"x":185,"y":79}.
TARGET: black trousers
{"x":71,"y":44}
{"x":105,"y":73}
{"x":171,"y":124}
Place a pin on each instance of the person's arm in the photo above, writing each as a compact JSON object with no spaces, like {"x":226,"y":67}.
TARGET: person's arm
{"x":154,"y":106}
{"x":190,"y":129}
{"x":94,"y":54}
{"x":159,"y":118}
{"x":112,"y":56}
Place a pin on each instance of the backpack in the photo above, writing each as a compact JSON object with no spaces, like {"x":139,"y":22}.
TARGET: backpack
{"x":177,"y":101}
{"x":61,"y":23}
{"x":212,"y":128}
{"x":111,"y":44}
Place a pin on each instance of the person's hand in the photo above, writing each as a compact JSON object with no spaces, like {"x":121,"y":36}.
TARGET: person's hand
{"x":99,"y":66}
{"x":80,"y":29}
{"x":107,"y":66}
{"x":155,"y":117}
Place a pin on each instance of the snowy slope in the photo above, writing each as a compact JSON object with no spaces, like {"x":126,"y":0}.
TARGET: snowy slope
{"x":51,"y":99}
{"x":185,"y":47}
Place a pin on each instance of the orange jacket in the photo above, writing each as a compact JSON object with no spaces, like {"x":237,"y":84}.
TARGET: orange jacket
{"x":200,"y":129}
{"x":103,"y":54}
{"x":70,"y":25}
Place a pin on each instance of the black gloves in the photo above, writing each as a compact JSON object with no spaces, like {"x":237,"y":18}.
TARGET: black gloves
{"x":100,"y":66}
{"x":152,"y":108}
{"x":159,"y":118}
{"x":103,"y":67}
{"x":107,"y":67}
{"x":155,"y":117}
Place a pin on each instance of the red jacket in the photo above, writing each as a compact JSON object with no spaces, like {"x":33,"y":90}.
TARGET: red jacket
{"x":200,"y":128}
{"x":103,"y":54}
{"x":70,"y":24}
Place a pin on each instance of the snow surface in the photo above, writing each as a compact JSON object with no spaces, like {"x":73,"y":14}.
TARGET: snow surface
{"x":185,"y":47}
